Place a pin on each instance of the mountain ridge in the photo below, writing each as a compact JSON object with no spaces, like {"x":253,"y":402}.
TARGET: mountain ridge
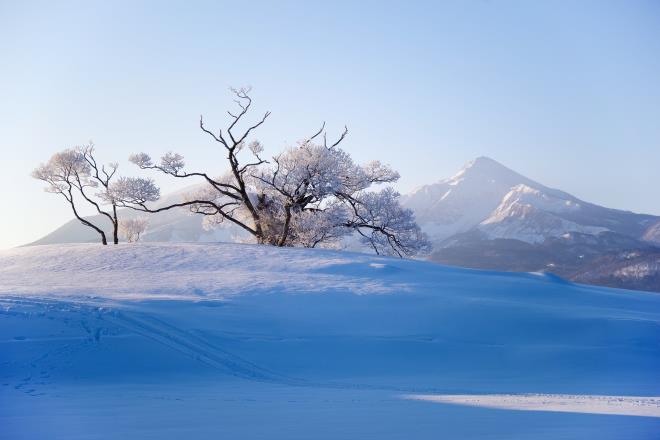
{"x":532,"y":227}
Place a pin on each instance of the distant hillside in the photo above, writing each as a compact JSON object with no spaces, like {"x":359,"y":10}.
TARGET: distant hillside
{"x":176,"y":225}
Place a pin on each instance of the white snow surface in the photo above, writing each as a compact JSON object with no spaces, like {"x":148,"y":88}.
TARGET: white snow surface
{"x":460,"y":202}
{"x":627,"y":405}
{"x":488,"y":195}
{"x":242,"y":341}
{"x":530,"y":215}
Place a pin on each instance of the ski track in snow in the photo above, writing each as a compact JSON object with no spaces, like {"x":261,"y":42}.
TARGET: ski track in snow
{"x":94,"y":319}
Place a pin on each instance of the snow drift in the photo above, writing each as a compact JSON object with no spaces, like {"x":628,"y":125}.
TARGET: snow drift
{"x":202,"y":340}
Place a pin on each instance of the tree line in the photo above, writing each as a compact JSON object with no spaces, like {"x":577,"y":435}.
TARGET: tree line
{"x":311,"y":194}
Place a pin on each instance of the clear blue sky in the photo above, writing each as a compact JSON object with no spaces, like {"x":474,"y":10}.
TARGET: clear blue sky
{"x":565,"y":92}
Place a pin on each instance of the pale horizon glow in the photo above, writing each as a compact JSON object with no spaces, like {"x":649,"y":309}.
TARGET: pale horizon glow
{"x":565,"y":93}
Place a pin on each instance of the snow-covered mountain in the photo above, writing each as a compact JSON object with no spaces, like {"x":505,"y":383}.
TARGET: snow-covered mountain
{"x":488,"y":216}
{"x":203,"y":341}
{"x":461,"y":202}
{"x":489,"y":197}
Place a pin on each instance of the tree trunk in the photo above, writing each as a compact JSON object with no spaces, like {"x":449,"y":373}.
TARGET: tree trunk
{"x":104,"y":241}
{"x":115,"y":225}
{"x":287,"y":224}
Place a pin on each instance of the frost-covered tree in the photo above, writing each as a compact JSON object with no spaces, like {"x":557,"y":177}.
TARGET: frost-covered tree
{"x":316,"y":195}
{"x":312,"y":194}
{"x":130,"y":229}
{"x":75,"y":174}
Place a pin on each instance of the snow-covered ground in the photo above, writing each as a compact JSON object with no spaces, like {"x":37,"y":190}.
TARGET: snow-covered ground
{"x":240,"y":341}
{"x":619,"y":405}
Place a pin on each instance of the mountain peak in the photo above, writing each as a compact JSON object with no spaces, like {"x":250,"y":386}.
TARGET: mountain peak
{"x":486,"y":164}
{"x":484,"y":160}
{"x":485,"y":169}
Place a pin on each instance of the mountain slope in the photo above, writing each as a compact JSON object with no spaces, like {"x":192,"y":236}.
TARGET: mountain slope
{"x":488,"y":216}
{"x":532,"y":216}
{"x":245,"y":341}
{"x":487,"y":191}
{"x":459,"y":203}
{"x":632,"y":269}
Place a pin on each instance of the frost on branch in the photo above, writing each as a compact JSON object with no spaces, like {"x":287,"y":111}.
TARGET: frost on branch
{"x":317,"y":195}
{"x":376,"y":172}
{"x":130,"y":229}
{"x":75,"y":174}
{"x":143,"y":160}
{"x":256,"y":148}
{"x":62,"y":170}
{"x":386,"y":226}
{"x":311,"y":229}
{"x":172,"y":163}
{"x":128,"y":191}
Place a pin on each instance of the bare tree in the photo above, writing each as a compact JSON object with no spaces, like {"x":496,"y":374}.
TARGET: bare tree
{"x":131,"y":228}
{"x":311,"y":195}
{"x":233,"y":189}
{"x":75,"y":174}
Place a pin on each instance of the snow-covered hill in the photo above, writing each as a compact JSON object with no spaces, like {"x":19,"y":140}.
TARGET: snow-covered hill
{"x":244,"y":341}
